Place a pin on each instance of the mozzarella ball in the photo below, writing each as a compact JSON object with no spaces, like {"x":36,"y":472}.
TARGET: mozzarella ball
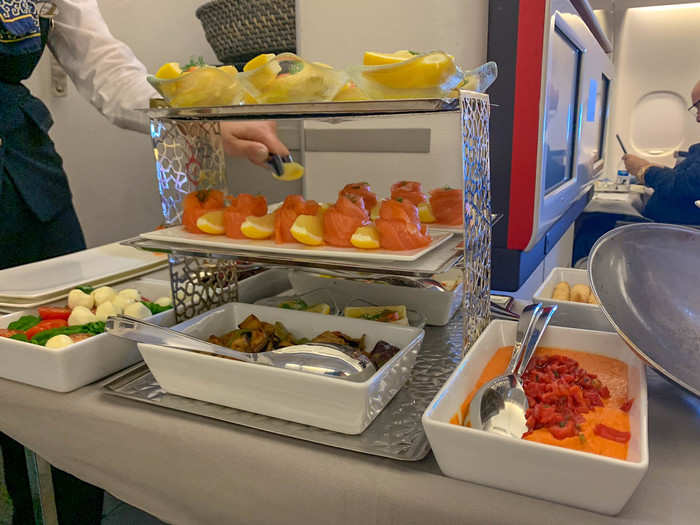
{"x":81,"y":315}
{"x":121,"y":302}
{"x":163,"y":301}
{"x":59,"y":341}
{"x":79,"y":298}
{"x":104,"y":294}
{"x":137,"y":310}
{"x":106,"y":310}
{"x":130,"y":293}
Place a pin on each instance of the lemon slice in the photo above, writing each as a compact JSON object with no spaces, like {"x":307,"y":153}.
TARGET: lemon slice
{"x":308,"y":229}
{"x":373,"y":58}
{"x":169,"y":70}
{"x":365,"y":237}
{"x":258,"y":227}
{"x":212,"y":222}
{"x":420,"y":72}
{"x":292,"y":171}
{"x":320,"y":308}
{"x":260,"y":60}
{"x":425,"y":212}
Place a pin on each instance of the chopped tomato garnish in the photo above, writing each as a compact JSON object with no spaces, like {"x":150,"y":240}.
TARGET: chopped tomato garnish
{"x":610,"y":433}
{"x":627,"y":405}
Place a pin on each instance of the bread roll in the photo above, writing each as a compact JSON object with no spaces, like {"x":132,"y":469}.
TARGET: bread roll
{"x":580,"y":293}
{"x":562,"y":291}
{"x":592,"y":299}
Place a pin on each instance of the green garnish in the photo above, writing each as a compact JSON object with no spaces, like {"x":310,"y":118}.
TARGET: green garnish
{"x":155,"y":308}
{"x":90,"y":328}
{"x":24,"y":323}
{"x":294,"y":304}
{"x":194,"y":62}
{"x":582,"y":438}
{"x":20,"y":337}
{"x":85,"y":289}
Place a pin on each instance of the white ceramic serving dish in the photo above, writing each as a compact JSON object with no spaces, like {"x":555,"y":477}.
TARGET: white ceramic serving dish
{"x":81,"y":363}
{"x":324,"y":402}
{"x":178,"y":234}
{"x":580,"y":479}
{"x":437,"y":307}
{"x":570,"y":313}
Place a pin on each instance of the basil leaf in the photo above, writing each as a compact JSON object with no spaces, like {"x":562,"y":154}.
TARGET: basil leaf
{"x":90,"y":328}
{"x":85,"y":289}
{"x":155,"y":308}
{"x":24,"y":323}
{"x":20,"y":337}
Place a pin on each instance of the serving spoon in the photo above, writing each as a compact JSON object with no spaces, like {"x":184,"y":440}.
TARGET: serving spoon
{"x":324,"y":359}
{"x":500,"y":405}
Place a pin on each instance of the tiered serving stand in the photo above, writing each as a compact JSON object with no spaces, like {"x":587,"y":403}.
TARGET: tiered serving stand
{"x":189,"y":156}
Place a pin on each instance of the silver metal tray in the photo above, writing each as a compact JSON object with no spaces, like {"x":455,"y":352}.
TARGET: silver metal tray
{"x":314,"y":110}
{"x":396,"y":433}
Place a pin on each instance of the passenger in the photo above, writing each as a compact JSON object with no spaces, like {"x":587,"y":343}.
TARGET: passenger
{"x":676,"y":196}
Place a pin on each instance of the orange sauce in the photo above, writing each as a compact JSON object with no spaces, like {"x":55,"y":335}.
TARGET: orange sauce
{"x":611,"y":372}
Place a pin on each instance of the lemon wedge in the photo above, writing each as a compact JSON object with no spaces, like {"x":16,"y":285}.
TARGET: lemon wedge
{"x":365,"y":237}
{"x":212,"y":222}
{"x":308,"y":229}
{"x":292,"y":171}
{"x":169,"y":70}
{"x":320,"y":308}
{"x":350,"y":92}
{"x":372,"y":58}
{"x":260,"y":60}
{"x":258,"y":227}
{"x":425,"y":212}
{"x":420,"y":72}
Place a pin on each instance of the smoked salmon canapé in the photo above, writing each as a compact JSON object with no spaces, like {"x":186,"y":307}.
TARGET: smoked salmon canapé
{"x":198,"y":203}
{"x":361,"y":189}
{"x":285,"y":215}
{"x":240,"y":208}
{"x":447,"y":205}
{"x":577,"y":400}
{"x":409,"y":190}
{"x":399,"y":227}
{"x":342,"y":219}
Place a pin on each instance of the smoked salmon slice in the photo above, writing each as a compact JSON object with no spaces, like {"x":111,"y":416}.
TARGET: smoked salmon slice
{"x":241,"y":207}
{"x":361,"y":189}
{"x":198,"y":203}
{"x":343,"y":218}
{"x":409,"y":190}
{"x":399,"y":227}
{"x":447,"y":205}
{"x":292,"y":207}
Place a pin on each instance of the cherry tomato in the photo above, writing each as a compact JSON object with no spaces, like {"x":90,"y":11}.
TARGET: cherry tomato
{"x":48,"y":324}
{"x":50,"y":312}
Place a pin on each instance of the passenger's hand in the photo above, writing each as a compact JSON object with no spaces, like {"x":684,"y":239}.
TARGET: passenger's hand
{"x":252,"y":140}
{"x":634,"y":164}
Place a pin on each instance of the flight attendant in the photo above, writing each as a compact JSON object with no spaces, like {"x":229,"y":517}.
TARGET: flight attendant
{"x":38,"y":219}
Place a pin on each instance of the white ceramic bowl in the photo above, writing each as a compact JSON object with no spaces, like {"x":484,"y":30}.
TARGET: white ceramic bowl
{"x":570,"y":313}
{"x":580,"y":479}
{"x":81,"y":363}
{"x":324,"y":402}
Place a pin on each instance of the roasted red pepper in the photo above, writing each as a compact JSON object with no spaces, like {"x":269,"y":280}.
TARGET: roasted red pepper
{"x":610,"y":433}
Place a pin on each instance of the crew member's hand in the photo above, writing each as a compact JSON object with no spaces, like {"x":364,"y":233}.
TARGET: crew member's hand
{"x":634,"y":164}
{"x":253,"y":140}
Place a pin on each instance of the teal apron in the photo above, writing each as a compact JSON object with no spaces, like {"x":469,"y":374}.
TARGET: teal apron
{"x":37,"y":218}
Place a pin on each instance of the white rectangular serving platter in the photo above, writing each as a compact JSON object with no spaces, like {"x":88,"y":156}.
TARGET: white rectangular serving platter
{"x":320,"y":401}
{"x":571,"y":477}
{"x":177,"y":234}
{"x":570,"y":313}
{"x":45,"y":280}
{"x":81,"y":363}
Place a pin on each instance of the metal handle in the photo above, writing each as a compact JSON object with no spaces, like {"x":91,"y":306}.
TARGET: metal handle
{"x":532,"y":342}
{"x":524,"y":331}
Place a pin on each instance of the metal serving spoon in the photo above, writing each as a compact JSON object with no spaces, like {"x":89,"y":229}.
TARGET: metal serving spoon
{"x":500,"y":405}
{"x":316,"y":358}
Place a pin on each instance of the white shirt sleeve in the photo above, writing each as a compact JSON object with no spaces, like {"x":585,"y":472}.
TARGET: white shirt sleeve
{"x":103,"y":69}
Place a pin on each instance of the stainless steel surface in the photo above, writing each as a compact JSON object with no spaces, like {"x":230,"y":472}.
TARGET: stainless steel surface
{"x":313,"y":358}
{"x":310,"y":110}
{"x":498,"y":405}
{"x":396,"y":432}
{"x":439,"y":260}
{"x":646,"y":279}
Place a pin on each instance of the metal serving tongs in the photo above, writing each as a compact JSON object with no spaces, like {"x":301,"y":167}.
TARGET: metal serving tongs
{"x":315,"y":358}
